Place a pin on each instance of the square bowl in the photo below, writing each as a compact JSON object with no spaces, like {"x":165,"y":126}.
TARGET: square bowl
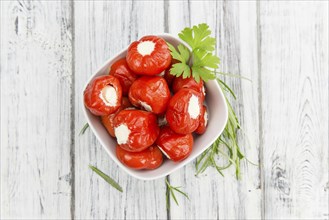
{"x":217,"y":115}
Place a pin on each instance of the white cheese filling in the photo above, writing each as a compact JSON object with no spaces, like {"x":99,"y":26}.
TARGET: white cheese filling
{"x":193,"y":107}
{"x":162,"y":73}
{"x":164,"y":153}
{"x":145,"y":47}
{"x":146,"y":106}
{"x":109,"y":96}
{"x":122,"y":133}
{"x":162,"y":121}
{"x":205,"y":116}
{"x":130,"y":108}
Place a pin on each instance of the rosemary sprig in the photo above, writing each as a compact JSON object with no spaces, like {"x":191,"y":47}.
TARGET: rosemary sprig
{"x":233,"y":75}
{"x":84,"y":128}
{"x":171,"y":192}
{"x":108,"y":179}
{"x":228,"y":140}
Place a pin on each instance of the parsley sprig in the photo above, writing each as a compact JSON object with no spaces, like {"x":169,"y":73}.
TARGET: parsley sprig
{"x":200,"y":62}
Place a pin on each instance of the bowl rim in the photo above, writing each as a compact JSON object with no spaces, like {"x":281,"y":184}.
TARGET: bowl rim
{"x":112,"y":156}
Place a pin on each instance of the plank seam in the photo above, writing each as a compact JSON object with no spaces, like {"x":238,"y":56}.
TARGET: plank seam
{"x":167,"y":192}
{"x":1,"y":67}
{"x":260,"y":107}
{"x":166,"y":30}
{"x":72,"y":124}
{"x":189,"y":12}
{"x":166,"y":15}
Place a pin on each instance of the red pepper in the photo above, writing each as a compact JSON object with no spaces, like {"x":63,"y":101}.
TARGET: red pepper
{"x":150,"y":158}
{"x":168,"y":77}
{"x":175,"y":146}
{"x":103,"y":95}
{"x":183,"y":111}
{"x":203,"y":121}
{"x":135,"y":129}
{"x":150,"y":93}
{"x":125,"y":75}
{"x":107,"y":120}
{"x":148,"y":56}
{"x":188,"y":83}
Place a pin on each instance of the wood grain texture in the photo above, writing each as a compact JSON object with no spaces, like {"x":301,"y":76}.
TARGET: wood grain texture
{"x":102,"y":29}
{"x":50,"y":48}
{"x":211,"y":195}
{"x":294,"y":78}
{"x":35,"y":109}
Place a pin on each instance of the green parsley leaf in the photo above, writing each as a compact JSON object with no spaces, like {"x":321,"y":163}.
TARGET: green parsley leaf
{"x":185,"y":53}
{"x":202,"y":72}
{"x":187,"y":36}
{"x":180,"y":68}
{"x":198,"y":38}
{"x":182,"y":55}
{"x":201,"y":60}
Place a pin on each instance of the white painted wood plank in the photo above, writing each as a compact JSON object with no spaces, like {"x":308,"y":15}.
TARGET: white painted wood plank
{"x":35,"y":109}
{"x":212,"y":196}
{"x":294,"y":69}
{"x":102,"y":29}
{"x":238,"y":49}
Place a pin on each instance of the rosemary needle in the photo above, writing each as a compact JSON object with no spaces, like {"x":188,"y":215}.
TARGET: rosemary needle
{"x":108,"y":179}
{"x":171,"y":192}
{"x":84,"y":128}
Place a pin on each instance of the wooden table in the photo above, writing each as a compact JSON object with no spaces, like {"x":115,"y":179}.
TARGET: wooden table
{"x":50,"y":48}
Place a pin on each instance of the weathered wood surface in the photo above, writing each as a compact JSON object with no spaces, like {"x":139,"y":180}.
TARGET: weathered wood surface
{"x":49,"y":50}
{"x":96,"y":40}
{"x":212,"y":196}
{"x":36,"y":71}
{"x":294,"y":87}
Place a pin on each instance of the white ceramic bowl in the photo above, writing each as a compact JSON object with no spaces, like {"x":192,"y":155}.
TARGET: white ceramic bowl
{"x":217,"y":113}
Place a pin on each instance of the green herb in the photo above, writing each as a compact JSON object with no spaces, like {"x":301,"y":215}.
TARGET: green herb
{"x":233,"y":75}
{"x":182,"y":55}
{"x":198,"y":37}
{"x":171,"y":192}
{"x":84,"y":128}
{"x":228,"y":140}
{"x":108,"y":179}
{"x":200,"y":62}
